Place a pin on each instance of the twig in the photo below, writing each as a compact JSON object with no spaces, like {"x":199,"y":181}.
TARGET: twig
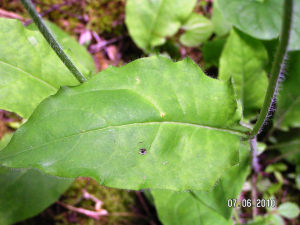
{"x":277,"y":66}
{"x":88,"y":196}
{"x":89,"y":213}
{"x":51,"y":40}
{"x":100,"y":45}
{"x":10,"y":15}
{"x":97,"y":215}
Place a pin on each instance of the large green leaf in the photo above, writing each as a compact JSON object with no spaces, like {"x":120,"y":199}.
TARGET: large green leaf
{"x":185,"y":208}
{"x":27,"y":192}
{"x":288,"y":105}
{"x":202,"y":207}
{"x":197,"y":28}
{"x":150,"y":22}
{"x":30,"y":71}
{"x":67,"y":42}
{"x":187,"y":123}
{"x":261,"y":18}
{"x":244,"y":59}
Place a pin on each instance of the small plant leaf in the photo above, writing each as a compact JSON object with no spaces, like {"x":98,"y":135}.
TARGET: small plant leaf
{"x":197,"y":28}
{"x":244,"y":58}
{"x":288,"y":210}
{"x":30,"y":71}
{"x":265,"y":20}
{"x":288,"y":106}
{"x":25,"y":193}
{"x":150,"y":124}
{"x":150,"y":22}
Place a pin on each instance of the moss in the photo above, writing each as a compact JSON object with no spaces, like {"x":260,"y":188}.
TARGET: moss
{"x":114,"y":201}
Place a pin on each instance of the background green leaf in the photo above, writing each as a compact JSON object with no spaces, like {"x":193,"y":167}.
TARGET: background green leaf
{"x":30,"y":71}
{"x":261,"y":19}
{"x":221,"y":25}
{"x":288,"y":106}
{"x":150,"y":22}
{"x":197,"y":28}
{"x":212,"y":52}
{"x":184,"y":119}
{"x":26,"y":192}
{"x":288,"y":210}
{"x":244,"y":58}
{"x":185,"y":208}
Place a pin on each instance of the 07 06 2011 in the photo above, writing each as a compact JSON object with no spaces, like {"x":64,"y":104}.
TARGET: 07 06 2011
{"x":260,"y":203}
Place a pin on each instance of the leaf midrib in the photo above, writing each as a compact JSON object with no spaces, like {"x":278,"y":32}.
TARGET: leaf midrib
{"x":232,"y":131}
{"x":30,"y":75}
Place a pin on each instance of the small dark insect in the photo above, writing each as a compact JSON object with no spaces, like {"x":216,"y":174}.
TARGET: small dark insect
{"x":143,"y":151}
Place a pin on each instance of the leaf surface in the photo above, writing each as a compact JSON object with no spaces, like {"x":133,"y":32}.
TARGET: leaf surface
{"x":288,"y":106}
{"x":185,"y":208}
{"x":244,"y":58}
{"x":26,"y":192}
{"x":67,"y":42}
{"x":30,"y":71}
{"x":180,"y":119}
{"x":197,"y":28}
{"x":221,"y":25}
{"x":288,"y":210}
{"x":150,"y":22}
{"x":229,"y":186}
{"x":204,"y":207}
{"x":262,"y":19}
{"x":212,"y":52}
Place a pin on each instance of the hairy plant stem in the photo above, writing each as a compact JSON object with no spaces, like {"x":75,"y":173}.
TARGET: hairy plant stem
{"x":277,"y":66}
{"x":51,"y":40}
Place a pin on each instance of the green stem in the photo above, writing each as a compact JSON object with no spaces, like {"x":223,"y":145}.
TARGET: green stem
{"x":277,"y":65}
{"x":51,"y":40}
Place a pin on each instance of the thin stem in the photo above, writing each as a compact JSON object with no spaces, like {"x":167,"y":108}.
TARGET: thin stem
{"x":277,"y":65}
{"x":51,"y":40}
{"x":254,"y":196}
{"x":256,"y":168}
